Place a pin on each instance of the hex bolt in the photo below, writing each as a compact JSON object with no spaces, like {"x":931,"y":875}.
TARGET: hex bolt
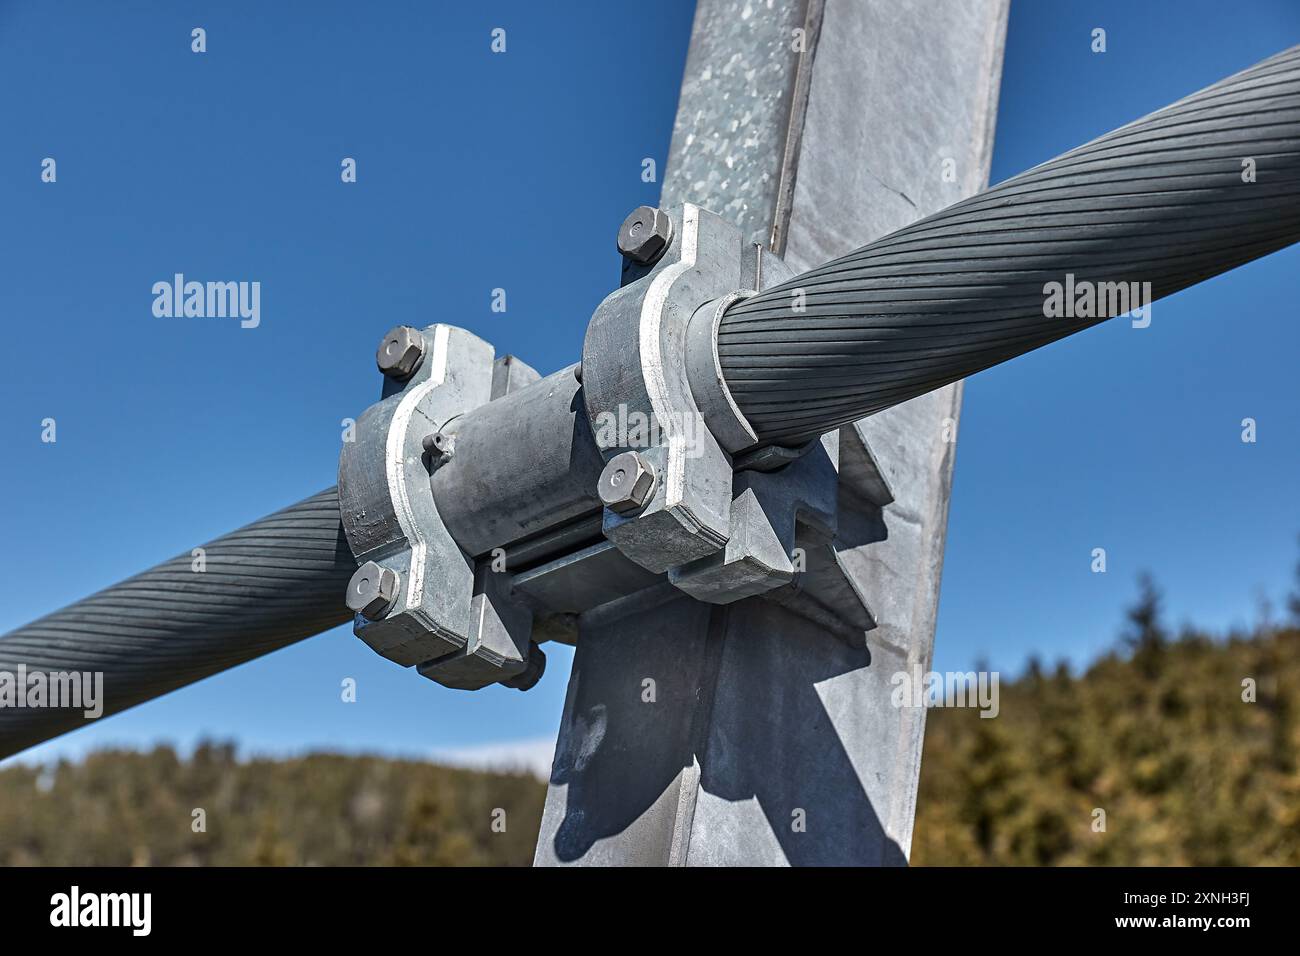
{"x":440,"y":446}
{"x":645,"y":235}
{"x":400,"y":352}
{"x":627,"y":483}
{"x":372,"y":590}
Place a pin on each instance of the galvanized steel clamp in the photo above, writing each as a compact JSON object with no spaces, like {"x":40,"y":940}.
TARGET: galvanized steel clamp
{"x":419,"y":599}
{"x":688,"y":488}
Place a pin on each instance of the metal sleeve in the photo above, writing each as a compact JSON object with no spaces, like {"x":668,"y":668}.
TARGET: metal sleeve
{"x":1167,"y":199}
{"x":266,"y":585}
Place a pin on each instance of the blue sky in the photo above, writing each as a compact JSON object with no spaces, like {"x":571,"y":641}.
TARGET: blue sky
{"x":477,"y":171}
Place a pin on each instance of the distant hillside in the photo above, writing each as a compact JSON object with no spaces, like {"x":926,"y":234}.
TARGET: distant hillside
{"x":125,"y":808}
{"x":1156,"y":735}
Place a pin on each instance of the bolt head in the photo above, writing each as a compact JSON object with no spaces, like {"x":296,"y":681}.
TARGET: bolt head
{"x":400,"y":352}
{"x":627,"y":483}
{"x":372,"y":590}
{"x":645,"y":235}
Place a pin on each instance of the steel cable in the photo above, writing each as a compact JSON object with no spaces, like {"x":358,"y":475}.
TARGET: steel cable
{"x":273,"y":582}
{"x":1193,"y":190}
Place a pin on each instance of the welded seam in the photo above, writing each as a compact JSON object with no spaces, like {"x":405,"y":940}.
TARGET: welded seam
{"x":812,"y":28}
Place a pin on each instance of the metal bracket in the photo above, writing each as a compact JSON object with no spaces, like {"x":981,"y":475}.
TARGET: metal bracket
{"x":723,"y":528}
{"x":447,"y":617}
{"x":638,"y":397}
{"x":762,"y":552}
{"x":691,"y":498}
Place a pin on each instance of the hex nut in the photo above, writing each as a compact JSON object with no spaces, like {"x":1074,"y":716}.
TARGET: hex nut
{"x":400,"y":352}
{"x":627,"y":483}
{"x":645,"y":235}
{"x":372,"y":590}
